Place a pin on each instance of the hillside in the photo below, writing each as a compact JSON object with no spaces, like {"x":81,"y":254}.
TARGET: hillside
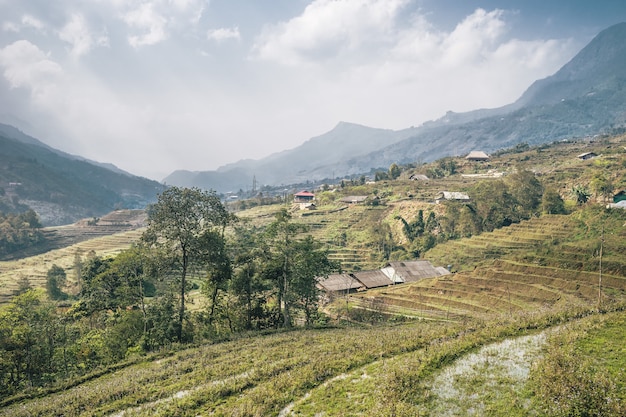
{"x":586,"y":97}
{"x":433,"y":347}
{"x":60,"y":188}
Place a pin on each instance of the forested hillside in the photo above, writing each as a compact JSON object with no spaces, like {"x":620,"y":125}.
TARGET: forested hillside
{"x":62,"y":189}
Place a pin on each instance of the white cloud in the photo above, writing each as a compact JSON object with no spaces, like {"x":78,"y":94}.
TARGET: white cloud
{"x":147,"y":20}
{"x":224,"y":34}
{"x":25,"y":65}
{"x":32,"y":22}
{"x":76,"y":33}
{"x":327,"y":29}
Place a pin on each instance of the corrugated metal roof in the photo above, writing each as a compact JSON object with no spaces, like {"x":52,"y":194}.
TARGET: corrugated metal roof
{"x":477,"y":155}
{"x":410,"y":271}
{"x":372,"y":279}
{"x":354,"y":199}
{"x":340,"y":282}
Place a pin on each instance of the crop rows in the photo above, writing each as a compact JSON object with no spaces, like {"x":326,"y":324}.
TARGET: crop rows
{"x":35,"y":268}
{"x":504,"y":271}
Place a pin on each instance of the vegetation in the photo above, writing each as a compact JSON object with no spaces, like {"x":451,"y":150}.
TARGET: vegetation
{"x":19,"y":231}
{"x":146,"y":332}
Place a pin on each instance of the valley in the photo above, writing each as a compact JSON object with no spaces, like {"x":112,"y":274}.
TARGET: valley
{"x":382,"y":351}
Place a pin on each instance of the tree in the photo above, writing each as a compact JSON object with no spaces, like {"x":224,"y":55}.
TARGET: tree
{"x":602,"y":186}
{"x":180,"y":221}
{"x":280,"y":235}
{"x":394,"y":171}
{"x":527,"y":191}
{"x":552,"y":203}
{"x":247,"y":285}
{"x":309,"y":262}
{"x":28,"y":338}
{"x":55,"y":280}
{"x":292,"y":264}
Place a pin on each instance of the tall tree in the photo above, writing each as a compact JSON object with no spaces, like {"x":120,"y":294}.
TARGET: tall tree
{"x":180,"y":221}
{"x":281,"y":234}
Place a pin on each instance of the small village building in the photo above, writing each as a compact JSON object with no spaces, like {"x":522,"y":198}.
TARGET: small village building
{"x":477,"y":156}
{"x":304,"y":199}
{"x":451,"y":196}
{"x":418,"y":177}
{"x":411,"y":271}
{"x":345,"y":283}
{"x":354,"y":199}
{"x":586,"y":155}
{"x":373,"y":279}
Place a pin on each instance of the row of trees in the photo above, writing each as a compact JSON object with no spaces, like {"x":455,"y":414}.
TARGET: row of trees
{"x":251,"y":278}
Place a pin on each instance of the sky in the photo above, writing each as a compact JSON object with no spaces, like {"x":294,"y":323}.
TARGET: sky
{"x":153,"y":86}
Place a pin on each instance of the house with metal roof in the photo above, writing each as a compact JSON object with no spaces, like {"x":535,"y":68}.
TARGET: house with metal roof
{"x":411,"y":271}
{"x":477,"y":156}
{"x":373,"y":279}
{"x":340,"y":283}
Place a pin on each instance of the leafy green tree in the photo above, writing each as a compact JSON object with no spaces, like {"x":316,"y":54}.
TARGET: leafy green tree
{"x":181,"y":221}
{"x":526,"y":190}
{"x":552,"y":203}
{"x":247,"y":286}
{"x":394,"y":171}
{"x":310,"y":261}
{"x":280,"y":236}
{"x":28,"y":339}
{"x":55,"y":280}
{"x":602,"y":185}
{"x":494,"y":204}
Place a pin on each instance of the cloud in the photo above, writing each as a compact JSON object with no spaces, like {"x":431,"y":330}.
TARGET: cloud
{"x":33,"y":22}
{"x":25,"y":65}
{"x":224,"y":34}
{"x":147,"y":20}
{"x":76,"y":33}
{"x":327,"y":29}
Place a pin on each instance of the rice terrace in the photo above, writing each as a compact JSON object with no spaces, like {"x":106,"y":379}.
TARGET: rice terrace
{"x":527,"y":318}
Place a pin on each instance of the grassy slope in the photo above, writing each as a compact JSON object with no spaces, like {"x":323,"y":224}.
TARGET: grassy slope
{"x":537,"y":273}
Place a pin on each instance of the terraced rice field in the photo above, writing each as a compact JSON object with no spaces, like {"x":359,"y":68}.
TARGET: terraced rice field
{"x":35,"y":268}
{"x":523,"y":267}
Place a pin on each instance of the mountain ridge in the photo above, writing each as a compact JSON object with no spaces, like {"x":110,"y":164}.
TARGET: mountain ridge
{"x":587,"y":96}
{"x":62,"y":188}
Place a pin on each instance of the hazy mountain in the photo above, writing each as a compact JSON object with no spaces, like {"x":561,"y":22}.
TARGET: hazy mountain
{"x":587,"y":96}
{"x":315,"y":159}
{"x":63,"y":188}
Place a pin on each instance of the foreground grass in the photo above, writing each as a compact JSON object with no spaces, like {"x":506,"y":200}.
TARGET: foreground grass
{"x":340,"y":371}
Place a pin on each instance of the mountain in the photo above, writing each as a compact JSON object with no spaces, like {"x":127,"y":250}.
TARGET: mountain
{"x":317,"y":158}
{"x":586,"y":97}
{"x":63,"y":188}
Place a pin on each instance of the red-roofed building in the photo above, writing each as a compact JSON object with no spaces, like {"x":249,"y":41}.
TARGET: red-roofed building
{"x":304,"y":199}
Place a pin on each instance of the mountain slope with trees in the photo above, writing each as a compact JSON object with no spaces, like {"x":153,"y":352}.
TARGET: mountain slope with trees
{"x":586,"y":97}
{"x":62,"y":189}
